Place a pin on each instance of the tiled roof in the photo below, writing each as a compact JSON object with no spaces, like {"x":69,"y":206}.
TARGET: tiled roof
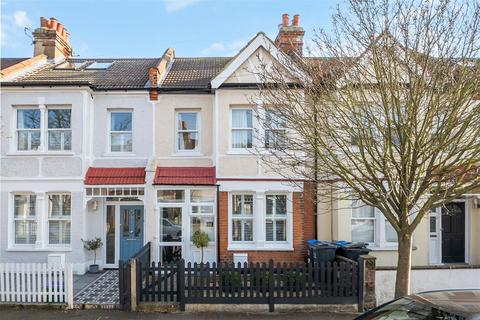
{"x":8,"y":62}
{"x":124,"y":73}
{"x":113,"y":176}
{"x":185,"y":175}
{"x":193,"y":73}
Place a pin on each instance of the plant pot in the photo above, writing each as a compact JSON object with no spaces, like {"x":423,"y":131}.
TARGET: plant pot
{"x":93,"y":268}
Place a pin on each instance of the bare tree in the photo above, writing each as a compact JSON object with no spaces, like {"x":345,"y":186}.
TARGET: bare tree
{"x":389,"y":116}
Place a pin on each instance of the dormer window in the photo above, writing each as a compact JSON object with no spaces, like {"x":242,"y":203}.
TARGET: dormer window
{"x":70,"y":65}
{"x":99,"y":65}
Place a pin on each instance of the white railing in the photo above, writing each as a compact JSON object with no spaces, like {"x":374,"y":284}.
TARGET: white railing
{"x":23,"y":283}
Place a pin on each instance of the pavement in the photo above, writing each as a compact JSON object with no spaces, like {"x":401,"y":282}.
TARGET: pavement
{"x":101,"y":314}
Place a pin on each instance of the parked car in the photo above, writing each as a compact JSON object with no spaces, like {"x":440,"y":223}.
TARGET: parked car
{"x":431,"y":305}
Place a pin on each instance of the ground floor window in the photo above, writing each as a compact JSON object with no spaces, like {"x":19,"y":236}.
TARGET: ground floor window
{"x":25,"y":224}
{"x":40,"y":220}
{"x":242,"y":217}
{"x":59,"y":216}
{"x":260,"y":220}
{"x":370,"y":226}
{"x":276,"y":218}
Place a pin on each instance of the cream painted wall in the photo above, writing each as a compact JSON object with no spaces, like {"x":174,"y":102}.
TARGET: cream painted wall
{"x":165,"y":125}
{"x":338,"y":212}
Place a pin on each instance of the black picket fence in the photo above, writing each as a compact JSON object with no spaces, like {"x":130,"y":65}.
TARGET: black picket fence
{"x":226,"y":283}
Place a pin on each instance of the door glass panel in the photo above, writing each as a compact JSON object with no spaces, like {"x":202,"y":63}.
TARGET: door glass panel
{"x":110,"y":235}
{"x":132,"y":223}
{"x":171,"y":225}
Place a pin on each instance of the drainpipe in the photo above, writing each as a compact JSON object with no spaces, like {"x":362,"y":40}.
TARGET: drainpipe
{"x":218,"y":224}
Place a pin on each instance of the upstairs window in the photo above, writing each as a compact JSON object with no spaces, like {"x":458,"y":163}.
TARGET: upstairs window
{"x":242,"y":128}
{"x":28,"y":129}
{"x":121,"y":131}
{"x":24,"y":217}
{"x":59,"y":129}
{"x":275,"y":130}
{"x":187,"y":131}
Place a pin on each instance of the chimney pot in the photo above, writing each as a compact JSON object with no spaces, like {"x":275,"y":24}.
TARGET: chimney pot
{"x":59,"y":28}
{"x":43,"y":22}
{"x":53,"y":23}
{"x":54,"y":43}
{"x":285,"y":18}
{"x":296,"y":20}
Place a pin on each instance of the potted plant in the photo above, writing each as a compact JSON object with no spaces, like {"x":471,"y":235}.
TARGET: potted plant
{"x":200,"y":240}
{"x":93,"y":245}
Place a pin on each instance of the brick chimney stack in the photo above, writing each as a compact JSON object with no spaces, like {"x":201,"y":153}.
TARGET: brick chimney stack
{"x":52,"y":40}
{"x":290,"y":37}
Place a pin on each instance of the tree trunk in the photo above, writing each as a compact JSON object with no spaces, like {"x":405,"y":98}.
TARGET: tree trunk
{"x":402,"y":283}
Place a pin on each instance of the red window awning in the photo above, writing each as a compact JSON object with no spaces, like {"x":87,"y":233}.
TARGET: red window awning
{"x":115,"y":176}
{"x":185,"y":175}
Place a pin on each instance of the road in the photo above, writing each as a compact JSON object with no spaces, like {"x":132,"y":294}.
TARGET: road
{"x":98,"y":314}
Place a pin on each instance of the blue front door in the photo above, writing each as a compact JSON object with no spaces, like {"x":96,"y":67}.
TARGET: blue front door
{"x":131,"y":231}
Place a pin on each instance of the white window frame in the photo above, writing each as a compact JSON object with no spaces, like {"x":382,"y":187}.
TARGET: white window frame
{"x":274,"y":218}
{"x":243,"y":217}
{"x":379,"y":229}
{"x":17,"y":130}
{"x":232,"y":129}
{"x":44,"y":130}
{"x":273,"y":132}
{"x":62,"y":130}
{"x":59,"y":218}
{"x":27,"y":218}
{"x":197,"y":149}
{"x":110,"y":132}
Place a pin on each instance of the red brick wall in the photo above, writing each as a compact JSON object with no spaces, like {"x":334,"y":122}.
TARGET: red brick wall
{"x":303,"y":230}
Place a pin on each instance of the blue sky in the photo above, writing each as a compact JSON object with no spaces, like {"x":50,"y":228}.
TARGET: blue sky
{"x":145,"y":28}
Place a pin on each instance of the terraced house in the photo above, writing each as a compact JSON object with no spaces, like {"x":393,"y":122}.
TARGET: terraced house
{"x":137,"y":150}
{"x":142,"y":150}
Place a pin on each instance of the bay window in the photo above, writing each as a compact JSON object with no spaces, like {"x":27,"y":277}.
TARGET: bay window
{"x":121,"y":131}
{"x":24,"y":216}
{"x":59,"y":129}
{"x":242,"y":128}
{"x":59,"y":219}
{"x":370,"y":226}
{"x":187,"y":131}
{"x":28,"y":129}
{"x":276,"y":218}
{"x":242,"y":217}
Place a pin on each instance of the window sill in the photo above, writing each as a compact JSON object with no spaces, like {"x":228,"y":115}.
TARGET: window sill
{"x":253,"y":247}
{"x":40,"y":153}
{"x":247,"y":152}
{"x":119,"y":154}
{"x":387,"y":248}
{"x":48,"y":249}
{"x":180,"y":154}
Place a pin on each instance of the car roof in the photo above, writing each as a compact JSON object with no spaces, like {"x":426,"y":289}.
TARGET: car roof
{"x":465,"y":303}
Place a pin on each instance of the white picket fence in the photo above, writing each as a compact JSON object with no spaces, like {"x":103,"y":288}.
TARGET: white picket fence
{"x":23,"y":283}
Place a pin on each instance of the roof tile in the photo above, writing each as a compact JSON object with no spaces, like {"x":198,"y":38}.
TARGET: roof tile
{"x":185,"y":176}
{"x":113,"y":176}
